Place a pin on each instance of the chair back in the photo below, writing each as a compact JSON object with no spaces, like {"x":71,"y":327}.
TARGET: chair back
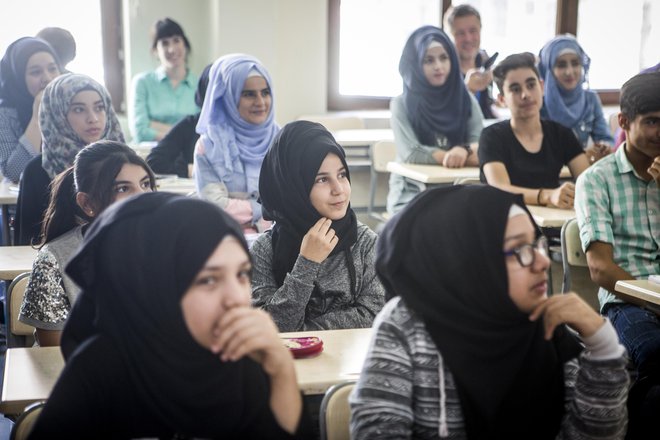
{"x":571,"y":251}
{"x":380,"y":153}
{"x":23,"y":425}
{"x":18,"y":334}
{"x":335,"y":412}
{"x":467,"y":181}
{"x":334,"y":123}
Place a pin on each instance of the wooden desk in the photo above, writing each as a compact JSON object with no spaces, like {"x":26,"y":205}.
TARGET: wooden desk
{"x":547,"y":217}
{"x":432,"y":174}
{"x":14,"y":260}
{"x":641,"y":289}
{"x":8,"y":197}
{"x":31,"y":373}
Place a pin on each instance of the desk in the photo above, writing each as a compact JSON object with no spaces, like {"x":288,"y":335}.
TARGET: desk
{"x":547,"y":217}
{"x":432,"y":174}
{"x":8,"y":197}
{"x":641,"y":289}
{"x":14,"y":260}
{"x":178,"y":185}
{"x":31,"y":373}
{"x":362,"y":137}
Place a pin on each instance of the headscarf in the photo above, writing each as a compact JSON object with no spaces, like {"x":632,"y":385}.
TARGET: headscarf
{"x":568,"y":107}
{"x":60,"y":142}
{"x":13,"y":89}
{"x":434,"y":110}
{"x":287,"y":175}
{"x":444,"y":257}
{"x":137,"y":261}
{"x":229,"y":140}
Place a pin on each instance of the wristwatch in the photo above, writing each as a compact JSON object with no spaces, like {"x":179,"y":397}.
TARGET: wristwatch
{"x":468,"y":148}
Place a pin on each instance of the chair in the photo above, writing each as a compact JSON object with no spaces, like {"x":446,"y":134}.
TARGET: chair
{"x":335,"y":413}
{"x":381,"y":153}
{"x":573,"y":255}
{"x":467,"y":181}
{"x":18,"y":333}
{"x":23,"y":425}
{"x":333,"y":123}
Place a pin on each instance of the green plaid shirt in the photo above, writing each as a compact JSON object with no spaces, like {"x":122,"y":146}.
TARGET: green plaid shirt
{"x":614,"y":205}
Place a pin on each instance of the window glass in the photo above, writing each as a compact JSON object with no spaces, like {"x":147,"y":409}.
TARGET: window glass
{"x":621,"y":41}
{"x":27,"y":17}
{"x":372,"y":36}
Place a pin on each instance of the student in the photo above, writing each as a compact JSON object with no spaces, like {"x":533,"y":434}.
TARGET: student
{"x":621,"y":134}
{"x":162,"y":97}
{"x":315,"y":269}
{"x":174,"y":153}
{"x":525,"y":154}
{"x":27,"y":67}
{"x":464,"y":23}
{"x":617,"y":201}
{"x":75,"y":111}
{"x":470,"y":345}
{"x":237,"y":126}
{"x":176,"y":350}
{"x":62,"y":42}
{"x":103,"y":173}
{"x":435,"y":120}
{"x":564,"y":68}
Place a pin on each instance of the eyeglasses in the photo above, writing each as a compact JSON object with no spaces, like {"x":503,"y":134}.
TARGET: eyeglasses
{"x":526,"y":255}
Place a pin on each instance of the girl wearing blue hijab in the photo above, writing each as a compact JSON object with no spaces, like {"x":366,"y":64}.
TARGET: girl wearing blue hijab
{"x":436,"y":120}
{"x":564,"y":68}
{"x":236,"y":127}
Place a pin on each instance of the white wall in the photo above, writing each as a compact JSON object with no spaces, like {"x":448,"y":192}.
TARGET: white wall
{"x":288,"y":36}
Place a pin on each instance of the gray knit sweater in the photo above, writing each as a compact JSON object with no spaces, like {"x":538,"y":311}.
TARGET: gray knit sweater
{"x":405,"y":390}
{"x":297,"y":306}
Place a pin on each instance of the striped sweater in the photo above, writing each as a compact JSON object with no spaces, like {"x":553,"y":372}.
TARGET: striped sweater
{"x":405,"y":391}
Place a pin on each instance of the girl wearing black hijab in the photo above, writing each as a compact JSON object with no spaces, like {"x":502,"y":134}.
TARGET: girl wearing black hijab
{"x":471,"y":346}
{"x":314,"y":270}
{"x":174,"y":349}
{"x":27,"y":67}
{"x":436,"y":120}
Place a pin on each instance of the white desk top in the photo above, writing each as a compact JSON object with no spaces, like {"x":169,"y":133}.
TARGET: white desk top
{"x":178,"y":185}
{"x":432,"y":174}
{"x":547,"y":217}
{"x":641,"y":289}
{"x":8,"y":192}
{"x":14,"y":260}
{"x":31,"y":373}
{"x":362,"y":137}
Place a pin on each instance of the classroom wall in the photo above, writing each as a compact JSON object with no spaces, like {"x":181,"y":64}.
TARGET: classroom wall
{"x":288,"y":36}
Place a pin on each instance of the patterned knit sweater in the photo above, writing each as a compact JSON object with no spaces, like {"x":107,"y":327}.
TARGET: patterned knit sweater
{"x":405,"y":391}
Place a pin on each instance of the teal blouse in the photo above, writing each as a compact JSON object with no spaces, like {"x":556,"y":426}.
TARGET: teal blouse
{"x":154,"y":99}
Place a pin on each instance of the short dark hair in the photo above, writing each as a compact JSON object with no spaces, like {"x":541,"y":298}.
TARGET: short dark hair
{"x":62,"y":41}
{"x":94,"y":172}
{"x":640,"y":94}
{"x":165,"y":28}
{"x":524,"y":60}
{"x":459,"y":11}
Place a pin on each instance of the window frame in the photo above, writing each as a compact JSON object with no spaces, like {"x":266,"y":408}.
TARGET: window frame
{"x":566,"y":22}
{"x":113,"y":52}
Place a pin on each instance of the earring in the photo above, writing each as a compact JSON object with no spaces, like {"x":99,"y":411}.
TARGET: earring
{"x":91,"y":213}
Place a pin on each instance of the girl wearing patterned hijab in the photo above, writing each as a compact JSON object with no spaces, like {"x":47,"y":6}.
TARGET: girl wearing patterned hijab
{"x":75,"y":111}
{"x":237,"y":126}
{"x":28,"y":65}
{"x":436,"y":120}
{"x":470,"y":345}
{"x":315,"y":269}
{"x":564,"y":69}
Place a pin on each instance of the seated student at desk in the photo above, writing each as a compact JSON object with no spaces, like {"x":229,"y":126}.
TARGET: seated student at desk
{"x":436,"y":120}
{"x":617,"y":205}
{"x":525,"y":154}
{"x":103,"y":173}
{"x":315,"y":269}
{"x":170,"y":347}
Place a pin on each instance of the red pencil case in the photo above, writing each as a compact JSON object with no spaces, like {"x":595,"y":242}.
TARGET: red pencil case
{"x":304,"y":347}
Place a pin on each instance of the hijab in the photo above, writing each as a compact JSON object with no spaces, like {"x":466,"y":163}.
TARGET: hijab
{"x":137,"y":261}
{"x":60,"y":142}
{"x":444,"y":257}
{"x":568,"y":107}
{"x":287,"y":175}
{"x":229,"y":140}
{"x":434,"y":110}
{"x":13,"y":89}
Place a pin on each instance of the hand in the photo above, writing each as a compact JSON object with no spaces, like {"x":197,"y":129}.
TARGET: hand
{"x":476,"y":79}
{"x":246,"y":331}
{"x":35,"y":105}
{"x":455,"y":158}
{"x":596,"y":152}
{"x":567,"y":309}
{"x":654,"y":170}
{"x":319,"y":241}
{"x":563,"y":196}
